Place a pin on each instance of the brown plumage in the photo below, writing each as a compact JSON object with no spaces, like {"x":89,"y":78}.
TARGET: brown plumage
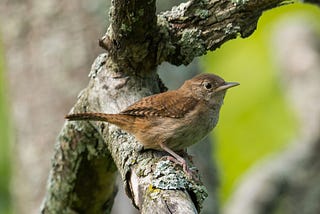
{"x":172,"y":120}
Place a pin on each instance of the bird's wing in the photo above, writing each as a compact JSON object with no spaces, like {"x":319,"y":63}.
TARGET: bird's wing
{"x":168,"y":104}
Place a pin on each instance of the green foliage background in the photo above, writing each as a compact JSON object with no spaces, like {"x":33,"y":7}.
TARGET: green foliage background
{"x":4,"y":141}
{"x":256,"y":119}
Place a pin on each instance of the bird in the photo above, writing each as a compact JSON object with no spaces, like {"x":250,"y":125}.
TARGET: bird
{"x":173,"y":120}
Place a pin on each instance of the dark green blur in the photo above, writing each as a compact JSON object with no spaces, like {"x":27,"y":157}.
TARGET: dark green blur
{"x":4,"y":141}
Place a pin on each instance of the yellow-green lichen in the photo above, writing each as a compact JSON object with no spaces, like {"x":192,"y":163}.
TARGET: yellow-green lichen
{"x":167,"y":177}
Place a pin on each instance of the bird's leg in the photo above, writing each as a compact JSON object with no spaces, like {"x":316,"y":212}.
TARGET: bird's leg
{"x":178,"y":160}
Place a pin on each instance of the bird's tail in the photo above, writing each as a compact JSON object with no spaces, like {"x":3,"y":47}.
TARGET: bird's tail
{"x":123,"y":121}
{"x":89,"y":116}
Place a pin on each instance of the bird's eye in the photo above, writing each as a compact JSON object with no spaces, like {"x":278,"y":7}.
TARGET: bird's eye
{"x":207,"y":85}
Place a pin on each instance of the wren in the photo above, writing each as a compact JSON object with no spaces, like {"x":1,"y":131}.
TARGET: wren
{"x":173,"y":120}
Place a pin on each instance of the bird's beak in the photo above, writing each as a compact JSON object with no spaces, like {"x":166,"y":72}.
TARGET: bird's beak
{"x":226,"y":86}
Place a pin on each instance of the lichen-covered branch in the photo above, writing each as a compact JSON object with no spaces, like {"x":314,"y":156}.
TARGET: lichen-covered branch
{"x":192,"y":28}
{"x":130,"y":37}
{"x":83,"y":174}
{"x":195,"y":27}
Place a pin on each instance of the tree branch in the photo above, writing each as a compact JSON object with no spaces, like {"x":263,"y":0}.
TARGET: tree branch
{"x":129,"y":39}
{"x":192,"y":28}
{"x":195,"y":27}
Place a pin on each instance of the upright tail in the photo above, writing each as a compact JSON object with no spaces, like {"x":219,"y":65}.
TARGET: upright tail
{"x":89,"y":116}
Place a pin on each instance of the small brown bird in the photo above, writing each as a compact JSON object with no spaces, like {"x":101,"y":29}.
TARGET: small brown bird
{"x":173,"y":120}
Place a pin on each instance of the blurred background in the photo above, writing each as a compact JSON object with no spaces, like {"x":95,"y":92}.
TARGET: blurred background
{"x":46,"y":51}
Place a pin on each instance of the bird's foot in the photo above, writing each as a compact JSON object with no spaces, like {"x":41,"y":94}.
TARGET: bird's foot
{"x":192,"y":174}
{"x":180,"y":161}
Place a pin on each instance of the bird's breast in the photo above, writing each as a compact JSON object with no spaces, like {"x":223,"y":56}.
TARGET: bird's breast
{"x":178,"y":133}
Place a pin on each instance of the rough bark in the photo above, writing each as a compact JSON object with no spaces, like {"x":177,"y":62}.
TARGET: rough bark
{"x":192,"y":28}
